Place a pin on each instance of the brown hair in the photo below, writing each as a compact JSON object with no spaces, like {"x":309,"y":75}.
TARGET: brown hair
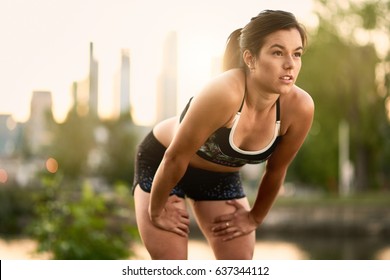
{"x":252,"y":36}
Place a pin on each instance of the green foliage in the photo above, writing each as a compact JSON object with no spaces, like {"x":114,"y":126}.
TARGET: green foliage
{"x":373,"y":13}
{"x":86,"y":146}
{"x":341,"y":77}
{"x":83,"y":224}
{"x":118,"y":164}
{"x":16,"y":209}
{"x":72,"y":143}
{"x":74,"y":221}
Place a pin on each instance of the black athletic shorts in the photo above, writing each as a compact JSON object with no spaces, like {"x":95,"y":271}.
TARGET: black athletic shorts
{"x":197,"y":184}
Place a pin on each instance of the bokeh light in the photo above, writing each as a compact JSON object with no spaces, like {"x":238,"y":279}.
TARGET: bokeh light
{"x":52,"y":165}
{"x":3,"y":176}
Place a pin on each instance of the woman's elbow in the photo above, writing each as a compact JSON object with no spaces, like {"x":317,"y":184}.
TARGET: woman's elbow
{"x":175,"y":160}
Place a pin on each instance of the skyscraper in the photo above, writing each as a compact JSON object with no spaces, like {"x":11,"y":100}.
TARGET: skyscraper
{"x":80,"y":94}
{"x":167,"y":83}
{"x":124,"y":105}
{"x":85,"y":92}
{"x":37,"y":128}
{"x":93,"y":82}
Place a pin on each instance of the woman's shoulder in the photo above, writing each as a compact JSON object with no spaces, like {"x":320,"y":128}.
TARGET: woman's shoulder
{"x":300,"y":99}
{"x":296,"y":108}
{"x":227,"y":88}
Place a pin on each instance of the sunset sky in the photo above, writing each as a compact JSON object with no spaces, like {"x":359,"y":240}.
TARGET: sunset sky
{"x":45,"y":46}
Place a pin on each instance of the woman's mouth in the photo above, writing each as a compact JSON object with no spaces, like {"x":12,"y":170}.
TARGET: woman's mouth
{"x":286,"y":79}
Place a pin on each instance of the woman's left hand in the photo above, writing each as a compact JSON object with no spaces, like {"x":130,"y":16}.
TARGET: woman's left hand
{"x":236,"y":224}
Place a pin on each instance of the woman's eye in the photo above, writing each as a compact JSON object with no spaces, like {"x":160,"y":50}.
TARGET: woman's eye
{"x":278,"y":53}
{"x":298,"y":54}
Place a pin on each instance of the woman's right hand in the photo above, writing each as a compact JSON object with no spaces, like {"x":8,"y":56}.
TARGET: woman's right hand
{"x":173,"y":218}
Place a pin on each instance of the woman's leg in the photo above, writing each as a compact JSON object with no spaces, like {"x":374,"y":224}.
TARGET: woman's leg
{"x":161,"y":244}
{"x":239,"y":248}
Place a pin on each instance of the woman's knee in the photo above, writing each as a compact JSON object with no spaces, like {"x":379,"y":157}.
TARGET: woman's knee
{"x":160,"y":244}
{"x":166,"y":249}
{"x":239,"y":248}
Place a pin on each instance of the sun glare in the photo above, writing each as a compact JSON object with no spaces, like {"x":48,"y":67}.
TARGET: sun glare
{"x":199,"y":60}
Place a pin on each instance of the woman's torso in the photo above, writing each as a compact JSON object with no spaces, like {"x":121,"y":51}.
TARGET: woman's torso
{"x":164,"y":132}
{"x":253,"y":131}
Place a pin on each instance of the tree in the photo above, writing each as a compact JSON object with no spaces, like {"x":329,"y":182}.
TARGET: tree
{"x":72,"y":143}
{"x":340,"y":73}
{"x":76,"y":223}
{"x":118,"y":164}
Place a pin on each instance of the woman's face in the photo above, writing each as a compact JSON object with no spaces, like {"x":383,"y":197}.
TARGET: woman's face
{"x":279,"y":61}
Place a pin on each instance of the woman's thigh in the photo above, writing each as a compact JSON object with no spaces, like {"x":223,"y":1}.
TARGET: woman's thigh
{"x":238,"y":248}
{"x":160,"y":244}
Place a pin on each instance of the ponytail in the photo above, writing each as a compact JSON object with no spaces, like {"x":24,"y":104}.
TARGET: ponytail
{"x":232,"y":57}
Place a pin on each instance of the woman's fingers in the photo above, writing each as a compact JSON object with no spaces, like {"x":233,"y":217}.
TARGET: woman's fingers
{"x":181,"y":222}
{"x":230,"y":226}
{"x":184,"y":215}
{"x":174,"y":217}
{"x":228,"y":233}
{"x":234,"y":203}
{"x":226,"y":226}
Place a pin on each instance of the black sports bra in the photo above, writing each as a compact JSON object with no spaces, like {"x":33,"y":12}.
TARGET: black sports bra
{"x":219,"y":147}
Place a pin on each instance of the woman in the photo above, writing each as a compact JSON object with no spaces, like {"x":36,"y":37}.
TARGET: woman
{"x":252,"y":112}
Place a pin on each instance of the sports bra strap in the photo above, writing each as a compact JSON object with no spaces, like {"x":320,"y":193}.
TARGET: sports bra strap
{"x":243,"y":99}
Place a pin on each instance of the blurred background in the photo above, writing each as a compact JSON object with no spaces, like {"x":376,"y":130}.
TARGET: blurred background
{"x":81,"y":82}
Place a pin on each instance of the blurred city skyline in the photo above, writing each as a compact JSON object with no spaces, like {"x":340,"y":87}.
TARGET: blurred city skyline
{"x":46,"y":45}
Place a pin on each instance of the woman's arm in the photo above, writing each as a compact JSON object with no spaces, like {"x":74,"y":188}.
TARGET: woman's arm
{"x":210,"y":110}
{"x":278,"y":163}
{"x":272,"y":180}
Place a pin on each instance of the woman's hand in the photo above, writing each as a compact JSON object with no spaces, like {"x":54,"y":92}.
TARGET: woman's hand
{"x":173,"y":218}
{"x":236,"y":224}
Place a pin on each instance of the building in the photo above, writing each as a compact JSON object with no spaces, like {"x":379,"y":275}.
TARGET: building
{"x":93,"y":82}
{"x":167,"y":82}
{"x":124,"y":90}
{"x":38,"y":131}
{"x":85,"y":92}
{"x":80,"y":94}
{"x":9,"y":134}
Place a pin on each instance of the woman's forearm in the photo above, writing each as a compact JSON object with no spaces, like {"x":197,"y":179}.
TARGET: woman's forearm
{"x":170,"y":171}
{"x":268,"y":190}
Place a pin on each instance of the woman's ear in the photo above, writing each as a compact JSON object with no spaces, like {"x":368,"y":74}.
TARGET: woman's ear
{"x":249,"y":59}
